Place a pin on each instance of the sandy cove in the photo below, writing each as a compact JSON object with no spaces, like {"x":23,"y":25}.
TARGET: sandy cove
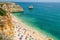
{"x":22,"y":31}
{"x":28,"y":32}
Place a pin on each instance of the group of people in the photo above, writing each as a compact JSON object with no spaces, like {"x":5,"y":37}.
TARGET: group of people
{"x":21,"y":33}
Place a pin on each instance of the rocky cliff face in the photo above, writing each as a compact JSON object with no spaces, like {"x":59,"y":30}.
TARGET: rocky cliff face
{"x":6,"y":26}
{"x":14,"y":7}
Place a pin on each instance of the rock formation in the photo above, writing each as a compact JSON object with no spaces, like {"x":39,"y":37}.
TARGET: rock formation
{"x":6,"y":26}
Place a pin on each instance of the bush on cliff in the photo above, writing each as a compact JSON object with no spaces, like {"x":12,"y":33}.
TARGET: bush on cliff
{"x":2,"y":12}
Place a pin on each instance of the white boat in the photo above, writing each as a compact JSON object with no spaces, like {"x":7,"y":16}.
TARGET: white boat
{"x":31,"y":6}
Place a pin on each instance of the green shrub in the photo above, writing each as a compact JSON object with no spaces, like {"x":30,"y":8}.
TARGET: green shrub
{"x":2,"y":12}
{"x":0,"y":38}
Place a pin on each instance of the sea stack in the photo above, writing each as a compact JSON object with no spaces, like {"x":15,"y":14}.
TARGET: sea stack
{"x":31,"y":7}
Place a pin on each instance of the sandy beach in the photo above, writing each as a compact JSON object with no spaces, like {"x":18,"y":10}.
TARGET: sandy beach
{"x":28,"y":33}
{"x":15,"y":29}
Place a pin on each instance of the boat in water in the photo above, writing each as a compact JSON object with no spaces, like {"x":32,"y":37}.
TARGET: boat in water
{"x":31,"y":7}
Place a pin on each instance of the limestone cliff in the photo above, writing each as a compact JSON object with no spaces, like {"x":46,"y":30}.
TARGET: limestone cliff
{"x":14,"y":7}
{"x":6,"y":26}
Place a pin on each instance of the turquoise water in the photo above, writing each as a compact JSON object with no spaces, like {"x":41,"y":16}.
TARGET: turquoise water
{"x":44,"y":16}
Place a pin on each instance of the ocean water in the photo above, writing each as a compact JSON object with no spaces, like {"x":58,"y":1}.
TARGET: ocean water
{"x":44,"y":16}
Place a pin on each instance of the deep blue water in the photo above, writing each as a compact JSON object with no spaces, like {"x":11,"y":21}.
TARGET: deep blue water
{"x":45,"y":16}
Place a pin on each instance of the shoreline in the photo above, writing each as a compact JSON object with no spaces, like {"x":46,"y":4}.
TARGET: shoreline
{"x":37,"y":35}
{"x":39,"y":32}
{"x":28,"y":31}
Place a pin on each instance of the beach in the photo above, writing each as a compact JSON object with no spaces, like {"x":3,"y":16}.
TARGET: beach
{"x":40,"y":23}
{"x":22,"y":29}
{"x":18,"y":30}
{"x":44,"y":16}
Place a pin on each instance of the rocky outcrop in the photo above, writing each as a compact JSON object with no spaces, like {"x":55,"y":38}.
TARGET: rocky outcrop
{"x":14,"y":7}
{"x":6,"y":26}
